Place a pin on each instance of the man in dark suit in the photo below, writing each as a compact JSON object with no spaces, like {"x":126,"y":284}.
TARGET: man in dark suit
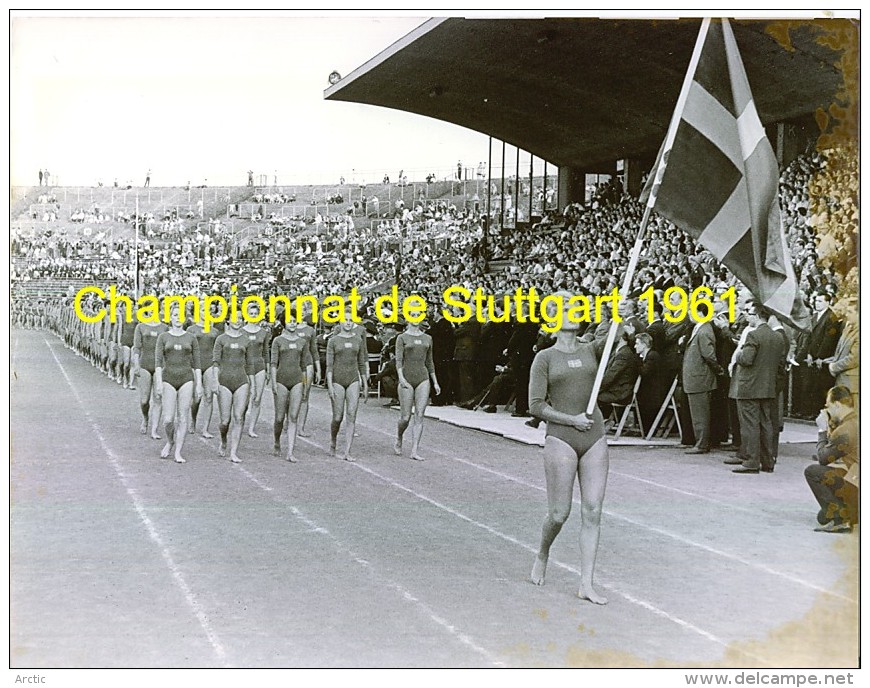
{"x":700,"y":369}
{"x":465,"y":354}
{"x":653,"y":385}
{"x":812,"y":377}
{"x":621,"y":373}
{"x":521,"y":353}
{"x":757,"y":359}
{"x":443,"y":343}
{"x":494,"y":337}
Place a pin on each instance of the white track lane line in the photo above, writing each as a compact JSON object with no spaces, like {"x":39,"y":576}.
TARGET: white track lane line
{"x":464,"y":638}
{"x":659,"y":531}
{"x":567,"y":567}
{"x":180,"y":581}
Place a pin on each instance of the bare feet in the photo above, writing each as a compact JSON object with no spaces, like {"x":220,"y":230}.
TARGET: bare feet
{"x":332,"y":449}
{"x":223,"y":450}
{"x":167,"y":449}
{"x":416,"y":456}
{"x":291,"y":458}
{"x":587,"y":592}
{"x":539,"y":571}
{"x":179,"y":459}
{"x":355,"y":433}
{"x":303,"y":433}
{"x":155,"y":435}
{"x":348,"y":457}
{"x":143,"y":428}
{"x":235,"y":459}
{"x":397,"y":448}
{"x":276,"y":450}
{"x":206,"y":435}
{"x":251,"y":433}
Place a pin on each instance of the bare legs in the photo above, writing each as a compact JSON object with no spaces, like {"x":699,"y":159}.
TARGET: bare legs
{"x":287,"y":405}
{"x":344,"y":402}
{"x":206,"y":405}
{"x":303,"y":408}
{"x":560,"y":466}
{"x":176,"y":411}
{"x":149,"y":404}
{"x":256,"y":398}
{"x":232,"y":409}
{"x":419,"y":399}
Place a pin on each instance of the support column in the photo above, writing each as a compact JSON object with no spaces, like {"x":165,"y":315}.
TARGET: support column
{"x":572,"y":183}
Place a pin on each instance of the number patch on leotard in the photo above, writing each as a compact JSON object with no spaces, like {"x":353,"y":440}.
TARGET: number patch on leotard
{"x":177,"y":347}
{"x":575,"y":363}
{"x":153,"y":334}
{"x":348,"y":345}
{"x":417,"y":342}
{"x":292,"y":346}
{"x":234,"y":346}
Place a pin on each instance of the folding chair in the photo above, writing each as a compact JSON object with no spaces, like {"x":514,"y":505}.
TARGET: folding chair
{"x":374,"y":369}
{"x":627,"y":409}
{"x":669,"y":404}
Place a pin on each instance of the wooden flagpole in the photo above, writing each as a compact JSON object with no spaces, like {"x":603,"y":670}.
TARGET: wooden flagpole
{"x":635,"y":251}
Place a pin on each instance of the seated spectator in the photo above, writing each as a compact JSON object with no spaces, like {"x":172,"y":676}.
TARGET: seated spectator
{"x":834,"y":480}
{"x":499,"y":391}
{"x":653,"y":382}
{"x":621,"y":373}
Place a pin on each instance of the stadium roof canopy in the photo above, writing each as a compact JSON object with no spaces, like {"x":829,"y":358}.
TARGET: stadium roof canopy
{"x":584,"y":92}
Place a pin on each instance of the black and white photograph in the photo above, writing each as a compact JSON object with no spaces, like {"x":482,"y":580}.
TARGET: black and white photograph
{"x":434,"y":339}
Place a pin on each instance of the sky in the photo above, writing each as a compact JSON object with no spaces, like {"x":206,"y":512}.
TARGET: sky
{"x":95,"y":98}
{"x":199,"y":97}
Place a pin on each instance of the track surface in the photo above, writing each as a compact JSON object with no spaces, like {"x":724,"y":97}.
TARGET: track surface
{"x":120,"y":559}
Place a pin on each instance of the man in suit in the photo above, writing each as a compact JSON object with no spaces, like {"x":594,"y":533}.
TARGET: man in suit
{"x":651,"y":393}
{"x":757,"y":360}
{"x":443,"y":343}
{"x":843,"y":363}
{"x":621,"y":373}
{"x":521,"y":353}
{"x":812,"y":376}
{"x":465,"y":354}
{"x":700,"y":369}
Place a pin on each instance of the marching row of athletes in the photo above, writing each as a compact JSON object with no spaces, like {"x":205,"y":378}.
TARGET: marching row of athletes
{"x":180,"y":371}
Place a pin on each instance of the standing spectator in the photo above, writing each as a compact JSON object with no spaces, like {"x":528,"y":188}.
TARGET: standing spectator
{"x":250,"y":177}
{"x":40,"y":176}
{"x":148,"y":178}
{"x":835,"y":487}
{"x":459,"y":170}
{"x":843,"y":364}
{"x":465,"y":353}
{"x":443,"y":343}
{"x":521,"y":353}
{"x":651,"y":393}
{"x":813,"y":377}
{"x":47,"y":176}
{"x":700,"y":369}
{"x":754,"y":379}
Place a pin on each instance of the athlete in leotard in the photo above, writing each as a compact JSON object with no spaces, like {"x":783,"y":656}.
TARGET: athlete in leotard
{"x":202,"y":409}
{"x":560,"y":385}
{"x":128,"y":330}
{"x":313,"y":374}
{"x":346,"y":372}
{"x":290,"y":360}
{"x":415,"y":367}
{"x":258,"y":341}
{"x":232,"y":359}
{"x":144,"y":341}
{"x":177,"y":379}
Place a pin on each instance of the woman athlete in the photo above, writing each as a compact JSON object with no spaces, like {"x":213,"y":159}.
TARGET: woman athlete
{"x":128,"y":331}
{"x":257,"y":337}
{"x":346,"y":370}
{"x":235,"y":373}
{"x":202,"y":409}
{"x":177,"y":379}
{"x":560,"y":384}
{"x":313,"y":374}
{"x":144,"y":341}
{"x":415,"y":367}
{"x":290,"y":359}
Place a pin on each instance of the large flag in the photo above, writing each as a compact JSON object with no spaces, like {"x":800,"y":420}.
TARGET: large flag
{"x":717,"y":178}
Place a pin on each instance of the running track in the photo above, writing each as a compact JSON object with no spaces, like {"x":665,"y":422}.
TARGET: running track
{"x":120,"y":559}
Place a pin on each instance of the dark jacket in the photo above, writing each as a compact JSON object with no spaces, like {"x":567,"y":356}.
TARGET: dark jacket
{"x":700,"y":366}
{"x":620,"y":375}
{"x":758,"y":362}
